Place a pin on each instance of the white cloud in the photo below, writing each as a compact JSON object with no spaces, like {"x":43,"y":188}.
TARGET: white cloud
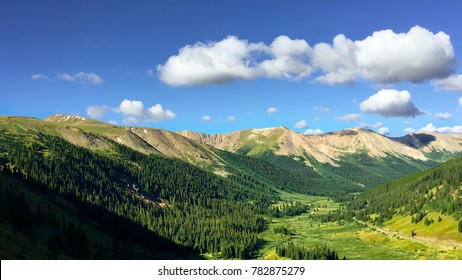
{"x":390,"y":103}
{"x":313,"y":131}
{"x":384,"y":130}
{"x":337,"y":61}
{"x":418,"y":55}
{"x":445,"y":129}
{"x":157,"y":113}
{"x":386,"y":57}
{"x":112,"y":122}
{"x":132,"y":107}
{"x":39,"y":76}
{"x":272,"y":110}
{"x":301,"y":124}
{"x":211,"y":63}
{"x":231,"y":118}
{"x":290,"y":59}
{"x":206,"y":118}
{"x":232,"y":58}
{"x":84,"y":78}
{"x":97,"y":112}
{"x":349,"y":117}
{"x":135,"y":110}
{"x":460,"y":101}
{"x":452,"y":83}
{"x":444,"y":116}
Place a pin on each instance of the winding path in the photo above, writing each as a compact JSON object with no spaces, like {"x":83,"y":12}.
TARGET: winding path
{"x":421,"y":240}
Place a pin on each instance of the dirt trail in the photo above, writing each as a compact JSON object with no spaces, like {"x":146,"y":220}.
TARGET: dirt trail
{"x":421,"y":240}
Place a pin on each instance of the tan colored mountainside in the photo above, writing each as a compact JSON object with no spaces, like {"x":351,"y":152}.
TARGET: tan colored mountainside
{"x":92,"y":134}
{"x":196,"y":147}
{"x":325,"y":148}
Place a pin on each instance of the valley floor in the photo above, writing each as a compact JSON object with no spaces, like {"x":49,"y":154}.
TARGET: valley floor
{"x":354,"y":240}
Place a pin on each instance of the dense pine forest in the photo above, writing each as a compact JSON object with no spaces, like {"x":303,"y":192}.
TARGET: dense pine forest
{"x":295,"y":252}
{"x":170,"y":198}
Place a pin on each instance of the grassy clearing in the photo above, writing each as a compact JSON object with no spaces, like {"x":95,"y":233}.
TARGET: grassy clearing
{"x":354,"y":241}
{"x":445,"y":230}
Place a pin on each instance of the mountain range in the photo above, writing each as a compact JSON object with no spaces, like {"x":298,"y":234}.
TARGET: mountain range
{"x":69,"y":178}
{"x":359,"y":158}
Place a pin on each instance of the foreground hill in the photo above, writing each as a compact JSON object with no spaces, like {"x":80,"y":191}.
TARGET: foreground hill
{"x":165,"y":197}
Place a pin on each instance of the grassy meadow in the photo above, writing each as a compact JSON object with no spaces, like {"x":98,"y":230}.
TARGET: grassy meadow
{"x":356,"y":241}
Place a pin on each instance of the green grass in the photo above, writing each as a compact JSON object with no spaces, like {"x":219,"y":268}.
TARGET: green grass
{"x":349,"y":239}
{"x":444,"y":231}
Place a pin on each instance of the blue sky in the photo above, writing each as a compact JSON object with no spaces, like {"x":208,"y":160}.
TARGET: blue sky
{"x":220,"y":66}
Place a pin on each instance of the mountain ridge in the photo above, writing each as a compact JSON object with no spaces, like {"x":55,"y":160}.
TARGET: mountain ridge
{"x":356,"y":158}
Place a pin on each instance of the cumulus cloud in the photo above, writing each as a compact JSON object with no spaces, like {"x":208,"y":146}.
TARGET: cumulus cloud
{"x":136,"y":109}
{"x":97,"y":112}
{"x":134,"y":112}
{"x":132,"y":107}
{"x":231,"y":118}
{"x":390,"y":103}
{"x":337,"y":61}
{"x":272,"y":110}
{"x":443,"y":116}
{"x":349,"y":117}
{"x":313,"y":131}
{"x":384,"y":130}
{"x":39,"y":76}
{"x":384,"y":57}
{"x":206,"y":118}
{"x":82,"y":77}
{"x":233,"y":58}
{"x":415,"y":56}
{"x":445,"y":129}
{"x":290,"y":59}
{"x":301,"y":124}
{"x":210,"y":63}
{"x":158,"y":113}
{"x":452,"y":83}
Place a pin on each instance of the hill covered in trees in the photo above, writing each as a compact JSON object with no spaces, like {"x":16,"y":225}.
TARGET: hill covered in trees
{"x":419,"y":201}
{"x":165,"y":198}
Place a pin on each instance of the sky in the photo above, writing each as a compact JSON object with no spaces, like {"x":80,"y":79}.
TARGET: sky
{"x":221,"y":66}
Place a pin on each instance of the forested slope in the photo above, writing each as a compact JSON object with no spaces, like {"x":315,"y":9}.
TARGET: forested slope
{"x":172,"y":199}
